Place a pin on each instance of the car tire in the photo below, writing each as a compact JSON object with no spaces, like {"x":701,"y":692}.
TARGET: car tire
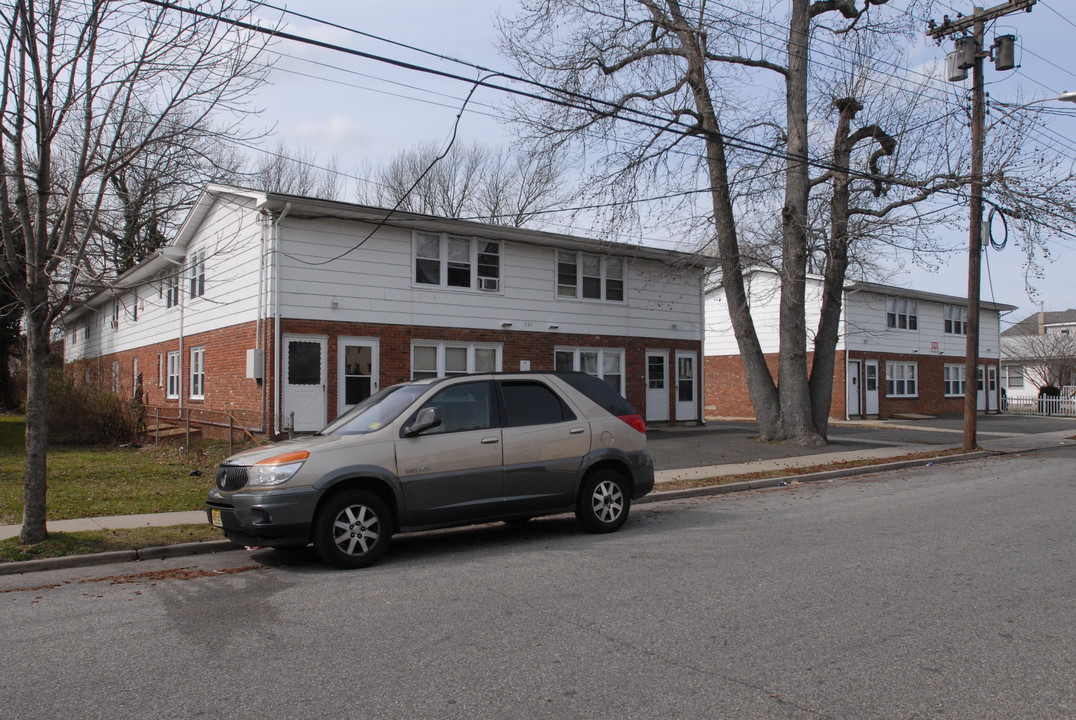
{"x":352,"y":529}
{"x":604,"y":501}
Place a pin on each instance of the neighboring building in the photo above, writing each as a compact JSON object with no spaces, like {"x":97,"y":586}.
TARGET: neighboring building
{"x":1039,"y":350}
{"x":900,"y":351}
{"x":285,"y":311}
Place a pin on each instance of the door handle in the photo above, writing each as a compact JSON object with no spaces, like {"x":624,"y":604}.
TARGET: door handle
{"x":490,"y":440}
{"x":576,"y":431}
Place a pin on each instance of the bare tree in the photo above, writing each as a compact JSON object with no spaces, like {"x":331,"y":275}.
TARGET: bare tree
{"x":88,"y":88}
{"x":786,"y":118}
{"x":296,"y":171}
{"x":471,"y":181}
{"x":1047,"y":358}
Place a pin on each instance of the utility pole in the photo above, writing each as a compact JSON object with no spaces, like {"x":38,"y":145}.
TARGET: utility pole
{"x":972,"y":48}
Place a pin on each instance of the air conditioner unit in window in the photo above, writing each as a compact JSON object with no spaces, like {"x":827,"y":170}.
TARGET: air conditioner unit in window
{"x":489,"y":284}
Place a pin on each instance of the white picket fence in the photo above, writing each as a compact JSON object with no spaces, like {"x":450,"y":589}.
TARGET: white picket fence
{"x":1064,"y":406}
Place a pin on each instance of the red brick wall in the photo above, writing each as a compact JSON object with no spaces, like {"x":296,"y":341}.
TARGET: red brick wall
{"x":227,"y":389}
{"x":727,"y":396}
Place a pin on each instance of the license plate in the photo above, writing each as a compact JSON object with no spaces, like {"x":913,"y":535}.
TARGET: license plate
{"x":214,"y":518}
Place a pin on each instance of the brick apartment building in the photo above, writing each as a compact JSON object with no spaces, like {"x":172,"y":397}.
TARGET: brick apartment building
{"x":281,"y":312}
{"x":900,"y":351}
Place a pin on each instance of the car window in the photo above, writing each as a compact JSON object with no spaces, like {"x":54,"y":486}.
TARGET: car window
{"x":532,"y":403}
{"x":599,"y":392}
{"x":467,"y":406}
{"x":376,"y":411}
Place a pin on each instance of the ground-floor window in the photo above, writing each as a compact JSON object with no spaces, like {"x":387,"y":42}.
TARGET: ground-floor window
{"x":606,"y":363}
{"x":954,"y":381}
{"x":172,"y":377}
{"x":1012,"y":376}
{"x":438,"y":359}
{"x":198,"y":373}
{"x":901,"y":379}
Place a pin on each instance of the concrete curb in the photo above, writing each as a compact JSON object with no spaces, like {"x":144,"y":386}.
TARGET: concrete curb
{"x":214,"y":546}
{"x":119,"y":556}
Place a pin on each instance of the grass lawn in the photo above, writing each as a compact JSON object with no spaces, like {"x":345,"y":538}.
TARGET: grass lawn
{"x":96,"y":541}
{"x":95,"y":481}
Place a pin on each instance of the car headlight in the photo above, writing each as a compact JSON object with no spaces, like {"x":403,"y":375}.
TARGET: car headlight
{"x":276,"y":470}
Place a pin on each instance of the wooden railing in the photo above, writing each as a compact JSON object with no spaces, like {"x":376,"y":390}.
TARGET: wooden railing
{"x":156,"y":417}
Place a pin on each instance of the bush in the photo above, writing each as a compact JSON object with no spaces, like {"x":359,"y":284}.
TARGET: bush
{"x":83,"y":412}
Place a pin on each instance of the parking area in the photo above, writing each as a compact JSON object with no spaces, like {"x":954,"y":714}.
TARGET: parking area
{"x":724,"y":442}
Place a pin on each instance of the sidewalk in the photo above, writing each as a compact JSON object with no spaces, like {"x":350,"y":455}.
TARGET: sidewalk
{"x":991,"y":442}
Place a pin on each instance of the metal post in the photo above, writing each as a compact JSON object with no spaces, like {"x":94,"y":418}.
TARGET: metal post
{"x":187,"y":426}
{"x":231,"y":424}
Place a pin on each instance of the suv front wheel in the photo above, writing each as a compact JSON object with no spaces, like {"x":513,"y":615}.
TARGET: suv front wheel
{"x":352,"y":529}
{"x":604,"y":501}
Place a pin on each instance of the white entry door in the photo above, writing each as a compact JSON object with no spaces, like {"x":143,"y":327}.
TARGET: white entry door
{"x":304,"y":382}
{"x":986,"y":398}
{"x":870,"y":388}
{"x":657,"y":386}
{"x":357,"y":372}
{"x":980,"y":390}
{"x":686,"y":385}
{"x":853,"y":391}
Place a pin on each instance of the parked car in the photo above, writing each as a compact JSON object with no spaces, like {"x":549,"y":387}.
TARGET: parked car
{"x":438,"y":453}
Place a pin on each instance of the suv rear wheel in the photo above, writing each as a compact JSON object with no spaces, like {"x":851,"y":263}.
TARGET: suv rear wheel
{"x":352,"y":529}
{"x":604,"y":501}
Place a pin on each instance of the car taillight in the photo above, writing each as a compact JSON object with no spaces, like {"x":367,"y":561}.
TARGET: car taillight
{"x":636,"y":421}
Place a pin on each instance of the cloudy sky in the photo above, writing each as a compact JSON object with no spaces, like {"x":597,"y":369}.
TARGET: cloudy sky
{"x":361,"y":111}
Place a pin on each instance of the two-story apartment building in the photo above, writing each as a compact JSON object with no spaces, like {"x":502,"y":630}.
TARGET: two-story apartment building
{"x":285,"y":311}
{"x":900,"y":351}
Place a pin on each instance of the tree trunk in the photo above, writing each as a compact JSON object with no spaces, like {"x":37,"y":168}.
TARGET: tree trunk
{"x":793,"y":383}
{"x":37,"y":426}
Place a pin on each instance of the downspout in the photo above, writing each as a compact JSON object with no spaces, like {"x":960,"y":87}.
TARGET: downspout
{"x":702,"y":348}
{"x":274,"y":285}
{"x":261,"y":326}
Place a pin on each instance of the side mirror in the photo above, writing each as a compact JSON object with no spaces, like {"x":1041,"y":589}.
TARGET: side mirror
{"x":428,"y":417}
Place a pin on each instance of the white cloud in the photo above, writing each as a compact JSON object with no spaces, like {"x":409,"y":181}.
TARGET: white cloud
{"x":336,"y":131}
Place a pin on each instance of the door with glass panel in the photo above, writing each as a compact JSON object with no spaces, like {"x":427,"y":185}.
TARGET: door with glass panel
{"x":657,"y":386}
{"x":357,"y":373}
{"x":687,"y":407}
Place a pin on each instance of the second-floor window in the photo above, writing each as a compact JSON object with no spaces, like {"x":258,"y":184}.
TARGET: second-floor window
{"x":171,"y":290}
{"x":197,"y":274}
{"x":901,"y":314}
{"x":455,"y":261}
{"x":956,"y":319}
{"x":589,"y":276}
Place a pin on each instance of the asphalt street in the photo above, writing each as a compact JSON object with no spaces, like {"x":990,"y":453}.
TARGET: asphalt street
{"x":941,"y":592}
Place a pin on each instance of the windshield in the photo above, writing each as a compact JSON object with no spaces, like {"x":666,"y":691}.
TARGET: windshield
{"x":376,"y":411}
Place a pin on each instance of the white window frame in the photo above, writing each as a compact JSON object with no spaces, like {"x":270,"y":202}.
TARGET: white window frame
{"x":197,"y":274}
{"x":901,"y":313}
{"x":956,"y":319}
{"x":600,"y":356}
{"x":170,"y":285}
{"x":197,"y":383}
{"x":954,"y":380}
{"x":441,"y":347}
{"x":172,"y":375}
{"x":901,"y":379}
{"x":608,"y":267}
{"x":480,"y":275}
{"x":1012,"y":376}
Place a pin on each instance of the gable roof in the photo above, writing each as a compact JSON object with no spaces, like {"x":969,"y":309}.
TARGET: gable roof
{"x":174,"y":253}
{"x":1035,"y":323}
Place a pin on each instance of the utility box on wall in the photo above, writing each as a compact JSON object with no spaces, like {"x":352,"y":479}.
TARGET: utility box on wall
{"x":255,"y":363}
